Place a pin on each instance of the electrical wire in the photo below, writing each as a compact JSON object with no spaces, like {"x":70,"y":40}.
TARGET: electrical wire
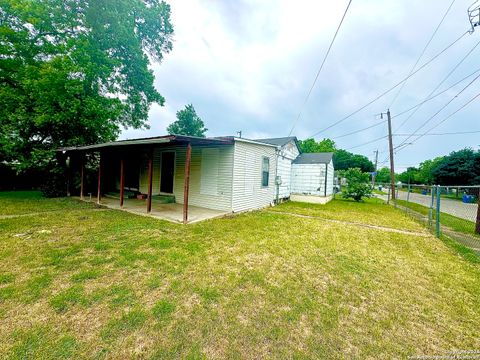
{"x":440,"y":84}
{"x":392,"y":88}
{"x":423,"y":52}
{"x":442,"y":134}
{"x":434,"y":96}
{"x":443,"y":107}
{"x":320,"y":69}
{"x":368,"y":142}
{"x":359,"y":131}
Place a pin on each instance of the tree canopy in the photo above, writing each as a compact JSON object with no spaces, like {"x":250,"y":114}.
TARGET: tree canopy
{"x":458,"y":168}
{"x":342,"y":159}
{"x":311,"y":146}
{"x":187,"y":123}
{"x":75,"y":72}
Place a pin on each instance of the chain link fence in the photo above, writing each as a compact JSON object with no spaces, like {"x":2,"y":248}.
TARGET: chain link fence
{"x":446,"y":210}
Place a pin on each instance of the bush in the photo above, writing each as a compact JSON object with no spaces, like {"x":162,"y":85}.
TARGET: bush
{"x":358,"y":185}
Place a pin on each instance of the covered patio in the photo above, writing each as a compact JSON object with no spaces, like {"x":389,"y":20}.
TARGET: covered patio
{"x":120,"y":186}
{"x":170,"y":212}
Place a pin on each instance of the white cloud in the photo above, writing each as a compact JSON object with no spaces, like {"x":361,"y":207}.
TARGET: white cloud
{"x":247,"y":65}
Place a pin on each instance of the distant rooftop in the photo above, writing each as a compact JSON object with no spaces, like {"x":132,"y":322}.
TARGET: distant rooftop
{"x":314,"y":158}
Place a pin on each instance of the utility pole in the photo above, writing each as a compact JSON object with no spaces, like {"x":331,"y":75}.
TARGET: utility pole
{"x":390,"y":144}
{"x":375,"y":171}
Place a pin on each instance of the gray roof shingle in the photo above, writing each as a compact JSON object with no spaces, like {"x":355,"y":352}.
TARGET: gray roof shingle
{"x":314,"y":158}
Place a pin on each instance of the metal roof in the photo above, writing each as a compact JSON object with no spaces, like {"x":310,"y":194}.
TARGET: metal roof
{"x":314,"y":158}
{"x":175,"y":139}
{"x":278,"y":141}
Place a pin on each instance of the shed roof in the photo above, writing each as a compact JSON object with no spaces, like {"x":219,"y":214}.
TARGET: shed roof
{"x":314,"y":158}
{"x":278,"y":141}
{"x":173,"y":139}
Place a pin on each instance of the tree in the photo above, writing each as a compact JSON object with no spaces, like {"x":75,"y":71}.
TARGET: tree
{"x":74,"y":72}
{"x":358,"y":185}
{"x":410,"y":176}
{"x":343,"y":160}
{"x":425,"y":174}
{"x":311,"y":146}
{"x":458,"y":168}
{"x":383,"y":175}
{"x":187,"y":123}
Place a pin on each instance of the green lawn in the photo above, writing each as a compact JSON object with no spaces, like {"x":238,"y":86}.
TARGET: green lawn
{"x":453,"y":222}
{"x":81,"y":282}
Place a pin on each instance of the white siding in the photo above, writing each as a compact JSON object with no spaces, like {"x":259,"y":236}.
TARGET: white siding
{"x":330,"y":177}
{"x":288,"y":153}
{"x":248,"y":192}
{"x":216,"y":195}
{"x":308,"y":179}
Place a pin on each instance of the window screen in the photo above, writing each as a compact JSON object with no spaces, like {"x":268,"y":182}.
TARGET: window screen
{"x":265,"y":171}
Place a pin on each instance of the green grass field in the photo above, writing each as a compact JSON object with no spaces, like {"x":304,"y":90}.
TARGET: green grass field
{"x":80,"y":282}
{"x":453,"y":222}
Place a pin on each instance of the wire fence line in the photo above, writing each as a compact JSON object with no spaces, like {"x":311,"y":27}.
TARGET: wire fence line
{"x":445,"y":210}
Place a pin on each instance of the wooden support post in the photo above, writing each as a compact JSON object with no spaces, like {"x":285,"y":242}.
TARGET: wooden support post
{"x":82,"y":175}
{"x":186,"y":184}
{"x":99,"y":183}
{"x":477,"y":226}
{"x":122,"y":182}
{"x":150,"y":181}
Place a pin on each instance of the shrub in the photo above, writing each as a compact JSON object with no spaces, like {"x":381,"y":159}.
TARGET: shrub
{"x":358,"y":185}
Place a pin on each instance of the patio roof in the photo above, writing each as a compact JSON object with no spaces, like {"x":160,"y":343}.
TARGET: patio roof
{"x":171,"y":139}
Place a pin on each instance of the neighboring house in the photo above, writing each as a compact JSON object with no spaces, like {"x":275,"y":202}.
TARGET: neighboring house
{"x":305,"y":177}
{"x":186,"y":178}
{"x":288,"y":152}
{"x":313,"y":177}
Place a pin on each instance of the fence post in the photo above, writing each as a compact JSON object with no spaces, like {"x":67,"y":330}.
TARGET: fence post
{"x":477,"y":225}
{"x":388,"y":196}
{"x":408,"y":197}
{"x":437,"y":217}
{"x":430,"y":211}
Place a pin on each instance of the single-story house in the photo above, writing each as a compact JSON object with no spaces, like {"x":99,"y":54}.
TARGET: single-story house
{"x":187,"y":179}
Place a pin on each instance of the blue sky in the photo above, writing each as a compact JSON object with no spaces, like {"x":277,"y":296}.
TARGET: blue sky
{"x":248,"y":65}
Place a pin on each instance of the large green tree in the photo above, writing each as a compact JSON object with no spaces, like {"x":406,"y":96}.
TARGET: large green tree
{"x":75,"y":72}
{"x":458,"y":168}
{"x":344,"y":160}
{"x":312,"y":146}
{"x":187,"y":123}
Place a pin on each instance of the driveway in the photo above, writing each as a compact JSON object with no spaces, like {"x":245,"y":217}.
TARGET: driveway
{"x":452,"y":207}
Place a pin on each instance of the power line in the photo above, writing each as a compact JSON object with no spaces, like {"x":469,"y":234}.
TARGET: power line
{"x":448,"y":117}
{"x":392,"y":88}
{"x":443,"y":107}
{"x":358,"y":131}
{"x":423,"y":52}
{"x":441,"y":83}
{"x":435,"y":96}
{"x":401,"y":147}
{"x":368,"y":142}
{"x":320,"y":69}
{"x":442,"y":134}
{"x":407,"y":110}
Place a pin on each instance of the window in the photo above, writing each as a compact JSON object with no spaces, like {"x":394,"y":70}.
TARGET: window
{"x":265,"y":171}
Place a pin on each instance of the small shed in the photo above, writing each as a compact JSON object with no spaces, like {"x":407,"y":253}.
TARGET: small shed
{"x":312,"y":177}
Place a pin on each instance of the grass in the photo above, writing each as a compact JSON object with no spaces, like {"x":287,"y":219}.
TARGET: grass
{"x":453,"y":222}
{"x":107,"y":284}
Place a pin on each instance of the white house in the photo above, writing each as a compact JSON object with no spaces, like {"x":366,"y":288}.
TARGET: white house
{"x":303,"y":177}
{"x":186,"y":178}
